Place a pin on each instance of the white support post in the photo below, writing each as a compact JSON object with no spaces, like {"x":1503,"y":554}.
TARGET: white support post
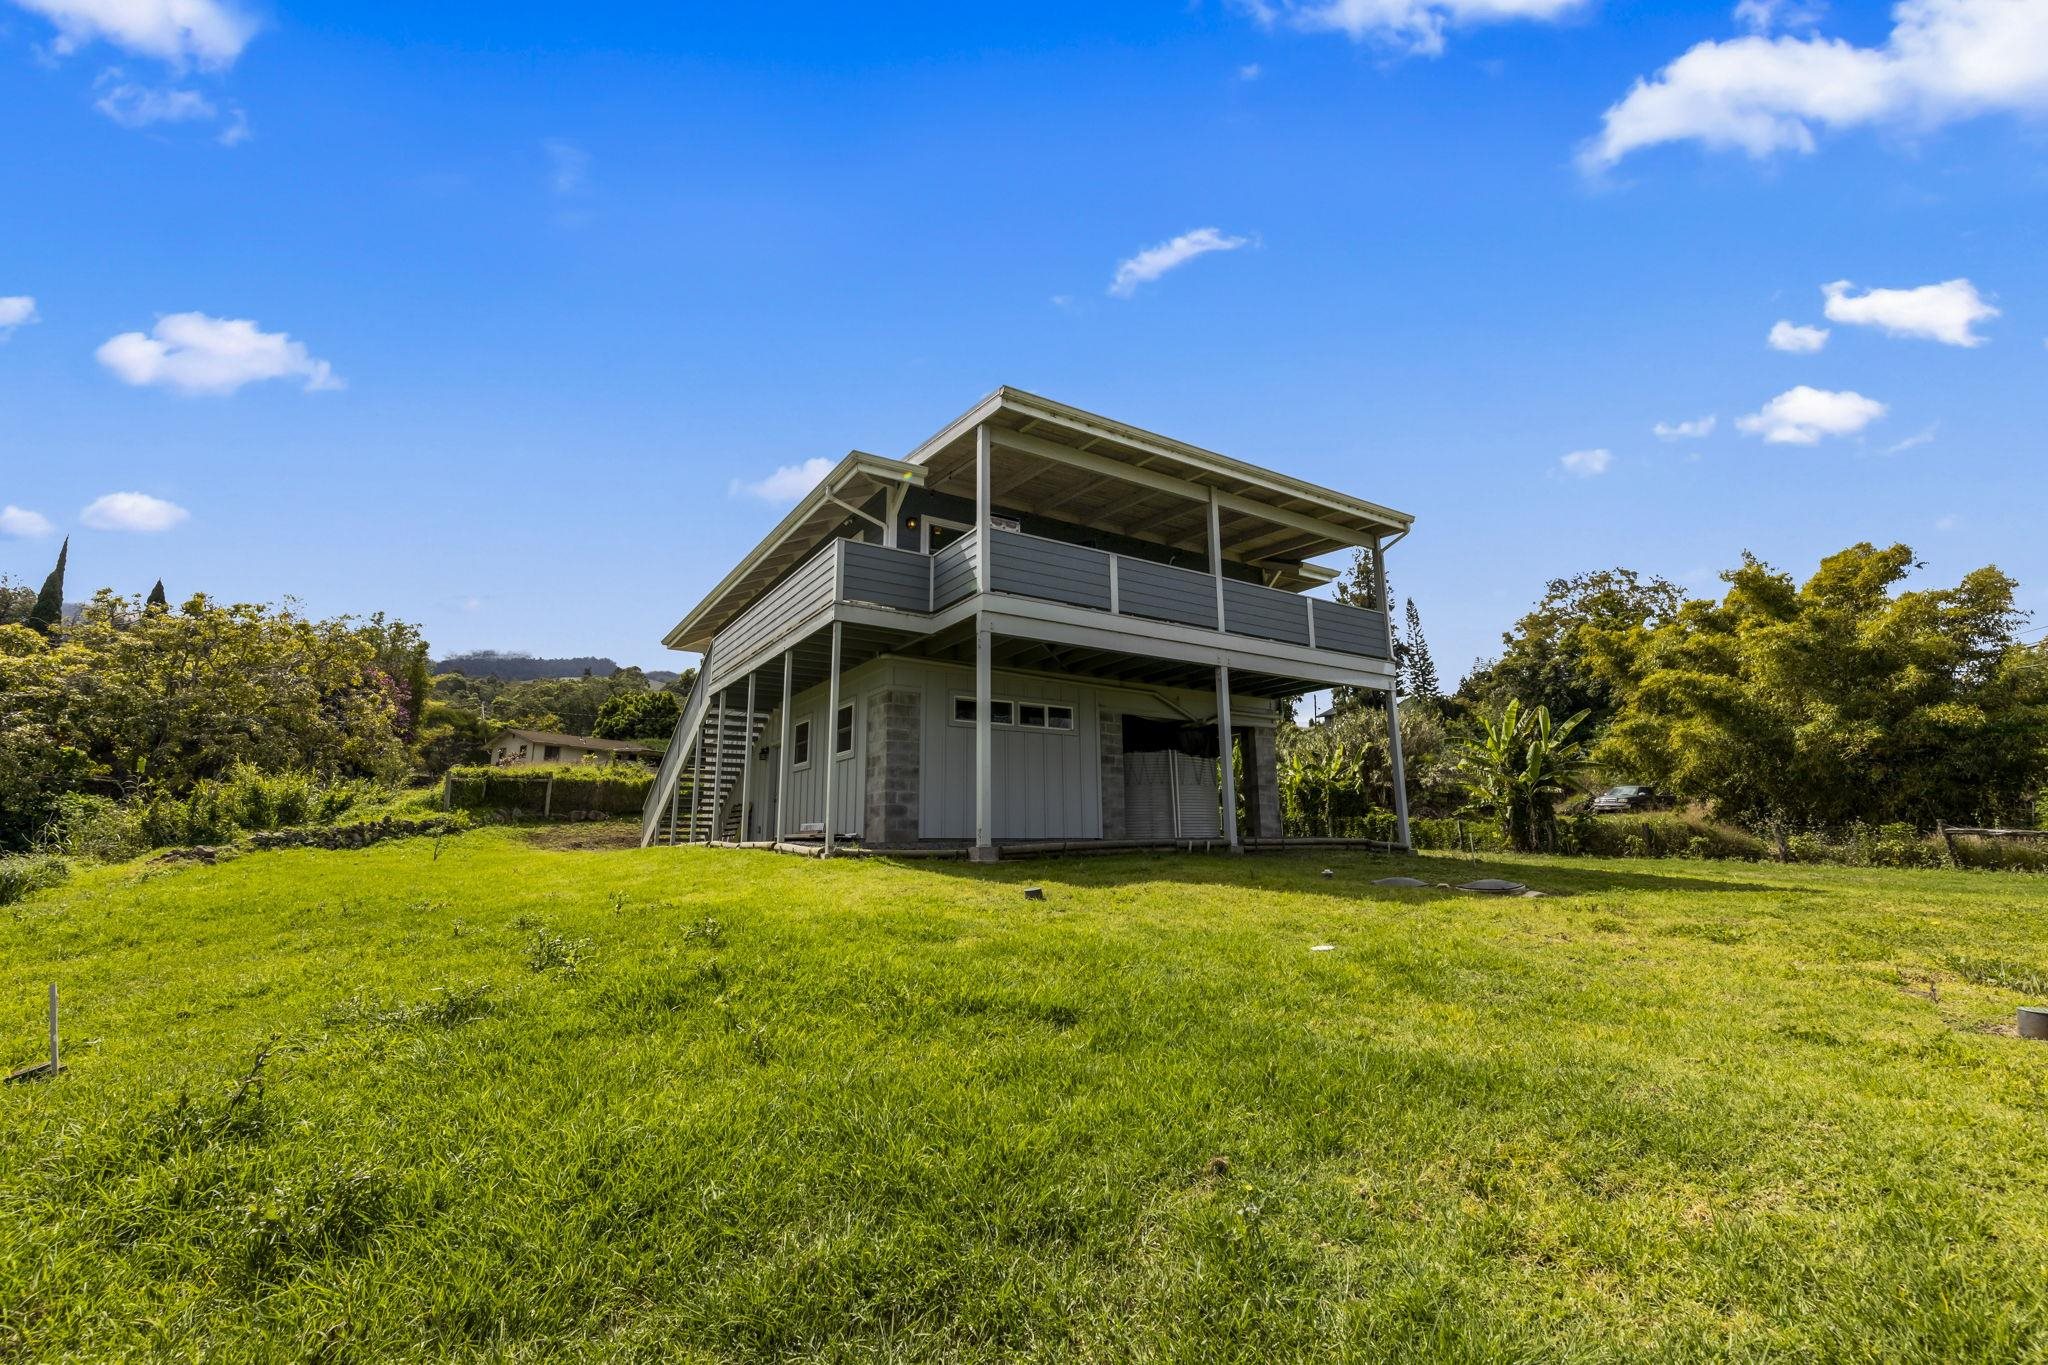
{"x":675,"y":809}
{"x":747,"y":767}
{"x":891,"y":533}
{"x":717,"y":774}
{"x":1216,"y":556}
{"x":1399,"y":770}
{"x":697,"y":778}
{"x":54,"y":1067}
{"x":782,"y":777}
{"x":983,"y":456}
{"x":1229,"y":762}
{"x":984,"y":747}
{"x":831,"y":738}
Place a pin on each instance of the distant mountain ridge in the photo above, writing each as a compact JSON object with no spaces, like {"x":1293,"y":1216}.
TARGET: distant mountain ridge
{"x":514,"y":666}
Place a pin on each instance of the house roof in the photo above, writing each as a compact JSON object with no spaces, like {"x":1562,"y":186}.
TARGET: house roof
{"x":615,"y":746}
{"x":1078,"y":467}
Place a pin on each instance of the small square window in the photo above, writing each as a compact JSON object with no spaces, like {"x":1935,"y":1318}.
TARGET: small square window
{"x":1002,"y":713}
{"x":842,"y":731}
{"x":551,"y":752}
{"x":800,"y":744}
{"x":1031,"y":716}
{"x":1059,"y":717}
{"x":963,"y":710}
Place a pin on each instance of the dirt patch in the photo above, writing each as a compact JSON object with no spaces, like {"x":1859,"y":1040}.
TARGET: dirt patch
{"x":592,"y":835}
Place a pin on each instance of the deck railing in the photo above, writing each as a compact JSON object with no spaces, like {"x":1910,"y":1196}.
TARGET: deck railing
{"x":1051,"y":571}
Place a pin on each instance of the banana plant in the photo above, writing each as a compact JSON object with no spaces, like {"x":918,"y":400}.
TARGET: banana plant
{"x":1518,"y":764}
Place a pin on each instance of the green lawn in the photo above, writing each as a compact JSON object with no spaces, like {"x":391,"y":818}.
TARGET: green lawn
{"x":530,"y":1102}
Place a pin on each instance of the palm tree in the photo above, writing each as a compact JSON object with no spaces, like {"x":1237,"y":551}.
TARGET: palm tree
{"x":1518,"y":765}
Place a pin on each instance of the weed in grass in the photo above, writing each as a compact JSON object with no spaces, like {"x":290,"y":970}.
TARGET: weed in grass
{"x":304,"y":1218}
{"x":2004,"y":974}
{"x":556,"y":953}
{"x":706,"y":931}
{"x":445,"y":1007}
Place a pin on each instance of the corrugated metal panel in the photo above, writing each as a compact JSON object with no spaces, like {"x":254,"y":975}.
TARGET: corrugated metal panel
{"x":1354,"y":630}
{"x":1198,"y":787}
{"x":1160,"y":592}
{"x":1033,"y":567}
{"x":888,"y":578}
{"x":1268,"y":613}
{"x":1148,"y":795}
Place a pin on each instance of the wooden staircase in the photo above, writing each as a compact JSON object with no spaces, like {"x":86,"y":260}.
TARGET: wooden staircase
{"x":705,"y":802}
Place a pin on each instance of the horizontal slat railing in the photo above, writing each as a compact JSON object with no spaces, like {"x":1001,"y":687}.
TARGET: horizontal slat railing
{"x":1055,"y":571}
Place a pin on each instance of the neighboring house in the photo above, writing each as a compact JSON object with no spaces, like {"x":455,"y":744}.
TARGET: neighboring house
{"x":1039,"y":625}
{"x":515,"y":747}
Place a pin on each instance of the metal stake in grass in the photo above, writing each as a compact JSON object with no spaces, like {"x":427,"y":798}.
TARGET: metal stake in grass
{"x":43,"y":1071}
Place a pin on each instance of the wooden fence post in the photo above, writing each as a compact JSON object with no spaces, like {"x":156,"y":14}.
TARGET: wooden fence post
{"x":547,"y":800}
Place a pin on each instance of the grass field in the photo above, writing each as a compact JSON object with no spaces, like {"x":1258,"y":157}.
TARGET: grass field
{"x":526,"y":1100}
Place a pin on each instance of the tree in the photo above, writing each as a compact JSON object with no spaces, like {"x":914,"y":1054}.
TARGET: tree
{"x":17,"y":600}
{"x":1841,"y":699}
{"x":1518,"y":764}
{"x":48,"y":612}
{"x":157,"y":599}
{"x":638,"y":715}
{"x":1553,"y":656}
{"x":1418,"y":675}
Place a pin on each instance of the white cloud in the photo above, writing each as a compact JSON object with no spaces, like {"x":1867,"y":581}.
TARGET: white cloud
{"x":1686,"y":431}
{"x":1250,"y":71}
{"x":1585,"y":464}
{"x":196,"y":354}
{"x":1944,"y":312}
{"x":1415,"y":26}
{"x":1945,"y":60}
{"x":208,"y":33}
{"x":1761,"y":16}
{"x":1790,"y":336}
{"x":786,"y":484}
{"x":19,"y":521}
{"x":1801,"y":416}
{"x":131,"y":512}
{"x":16,"y":310}
{"x":1913,"y":442}
{"x":139,"y":106}
{"x":568,"y":166}
{"x":1154,"y":261}
{"x":1947,"y":522}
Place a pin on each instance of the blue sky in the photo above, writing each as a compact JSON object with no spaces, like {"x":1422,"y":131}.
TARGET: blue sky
{"x":531,"y":291}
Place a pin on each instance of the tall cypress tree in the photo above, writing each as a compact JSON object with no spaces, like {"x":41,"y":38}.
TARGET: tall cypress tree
{"x":1421,"y":669}
{"x":157,"y":597}
{"x":48,"y":612}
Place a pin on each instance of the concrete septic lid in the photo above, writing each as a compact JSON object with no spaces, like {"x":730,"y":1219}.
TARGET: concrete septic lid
{"x":2033,"y":1021}
{"x":1493,"y":886}
{"x":1400,"y":881}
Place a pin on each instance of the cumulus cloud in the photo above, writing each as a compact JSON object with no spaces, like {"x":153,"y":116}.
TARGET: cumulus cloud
{"x":16,"y":310}
{"x":1584,"y":464}
{"x":1154,"y":261}
{"x":181,"y":33}
{"x":195,"y":354}
{"x":131,"y":512}
{"x":1686,"y":431}
{"x":19,"y":521}
{"x":1801,"y":416}
{"x":1944,"y":60}
{"x":1414,"y":26}
{"x":1789,"y":336}
{"x":1947,"y":312}
{"x":786,"y":484}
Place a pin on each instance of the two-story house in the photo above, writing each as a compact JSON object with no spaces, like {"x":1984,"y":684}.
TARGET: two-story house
{"x":1039,"y":626}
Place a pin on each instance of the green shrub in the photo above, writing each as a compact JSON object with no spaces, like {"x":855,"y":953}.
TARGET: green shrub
{"x":30,"y":872}
{"x":611,"y":788}
{"x":1664,"y":834}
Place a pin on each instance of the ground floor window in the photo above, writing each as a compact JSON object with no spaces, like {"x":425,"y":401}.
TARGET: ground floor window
{"x":842,"y":731}
{"x":1021,"y":715}
{"x":800,"y":745}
